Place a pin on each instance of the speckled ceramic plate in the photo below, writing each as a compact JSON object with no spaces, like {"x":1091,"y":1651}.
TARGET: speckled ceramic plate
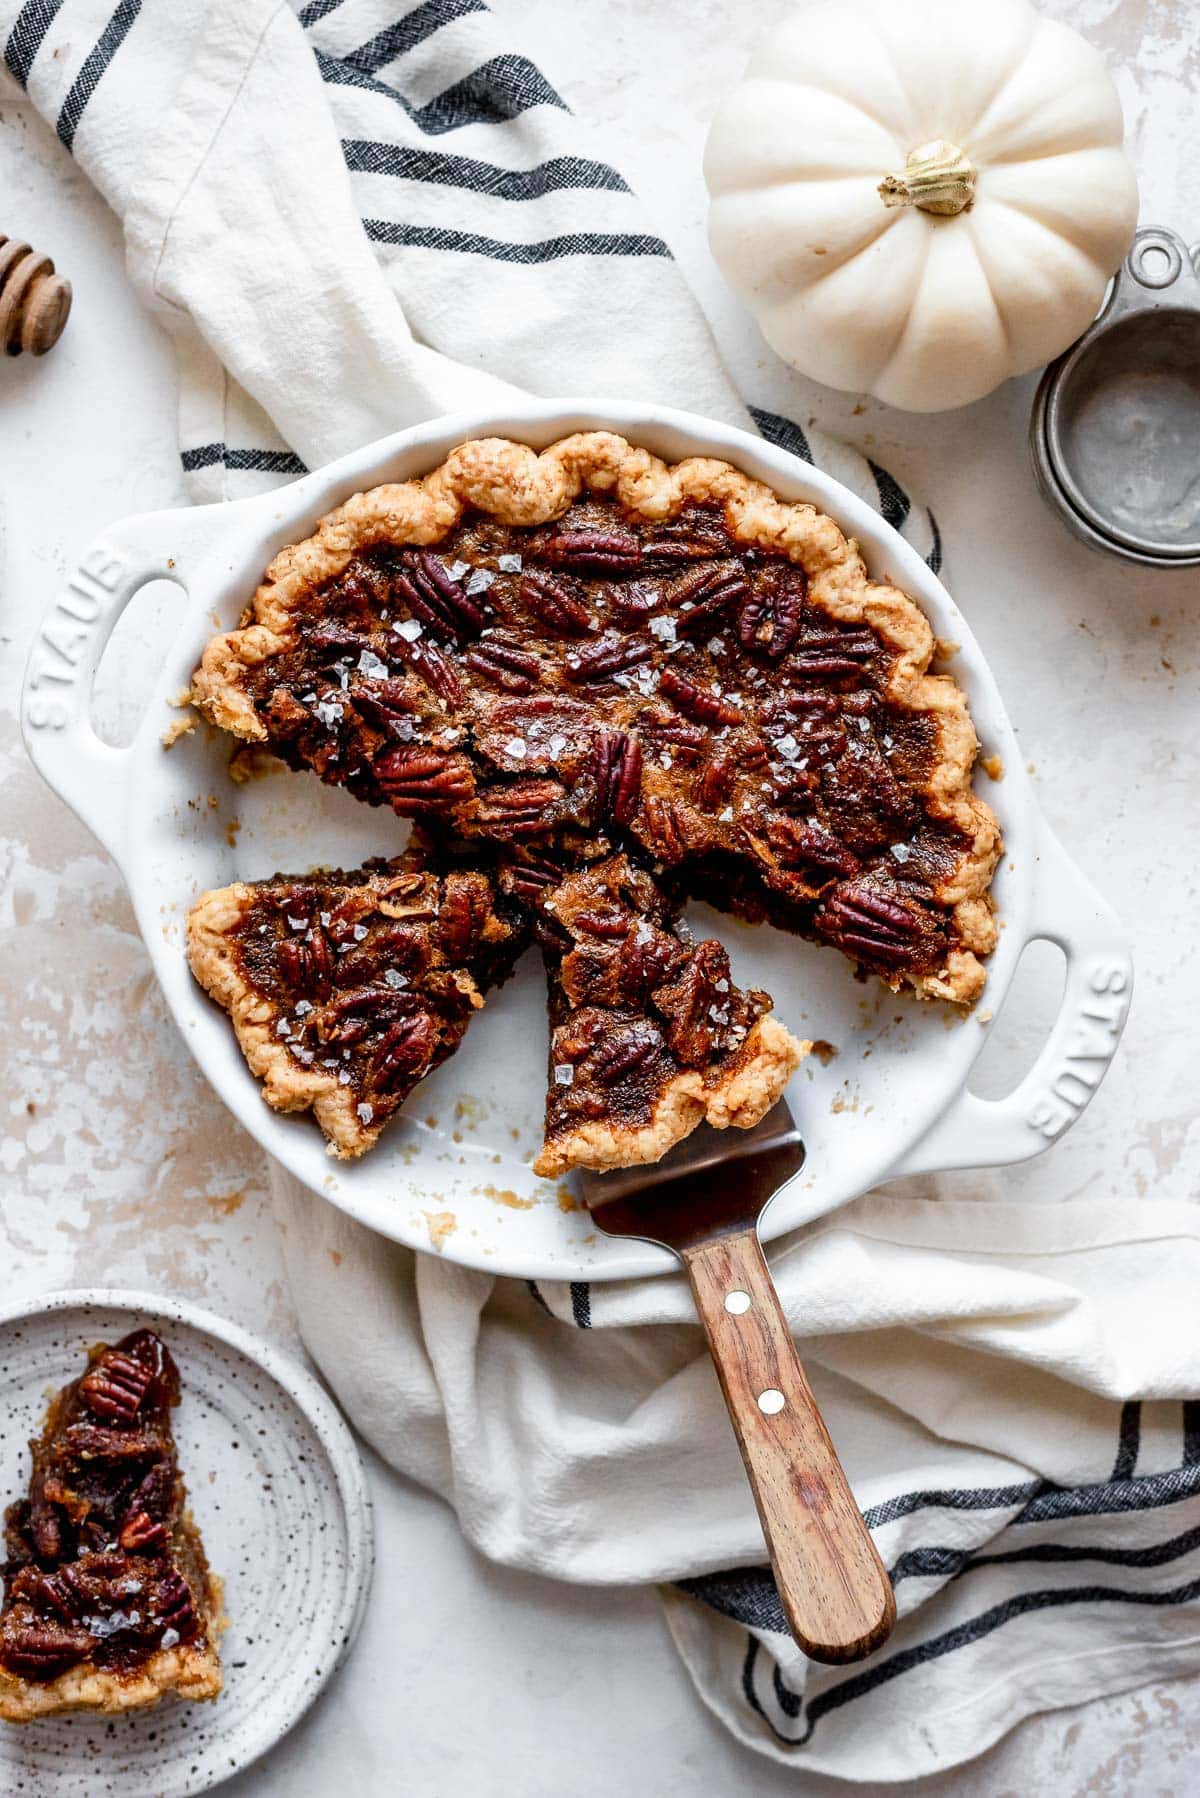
{"x":277,"y":1488}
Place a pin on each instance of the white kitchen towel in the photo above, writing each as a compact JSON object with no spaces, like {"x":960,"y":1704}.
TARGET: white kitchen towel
{"x":353,"y":215}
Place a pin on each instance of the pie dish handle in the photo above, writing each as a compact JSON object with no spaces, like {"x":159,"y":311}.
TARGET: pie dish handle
{"x":92,"y":776}
{"x":1083,"y":1039}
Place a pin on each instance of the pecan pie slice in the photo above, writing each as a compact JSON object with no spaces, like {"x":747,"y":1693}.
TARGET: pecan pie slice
{"x":590,"y":651}
{"x":648,"y":1033}
{"x":346,"y":989}
{"x":108,"y":1600}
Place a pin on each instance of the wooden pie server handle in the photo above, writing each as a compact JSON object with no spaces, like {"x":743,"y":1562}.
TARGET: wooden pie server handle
{"x":835,"y":1592}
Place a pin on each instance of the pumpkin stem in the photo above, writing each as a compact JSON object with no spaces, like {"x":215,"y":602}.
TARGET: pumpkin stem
{"x":937,"y":177}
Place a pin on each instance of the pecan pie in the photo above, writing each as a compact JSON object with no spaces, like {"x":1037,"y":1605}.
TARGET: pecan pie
{"x":108,"y":1600}
{"x":648,"y":1033}
{"x":553,"y":659}
{"x":346,"y":989}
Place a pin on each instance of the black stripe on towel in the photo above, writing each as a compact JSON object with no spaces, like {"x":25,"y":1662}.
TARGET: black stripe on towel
{"x":1191,"y":1432}
{"x":95,"y":63}
{"x":949,"y":1563}
{"x":894,"y":503}
{"x":398,"y":39}
{"x":1148,"y":1492}
{"x":498,"y":90}
{"x":962,"y":1636}
{"x":535,"y":1292}
{"x":934,"y":558}
{"x":748,"y":1595}
{"x":1129,"y":1440}
{"x":240,"y":461}
{"x":27,"y":35}
{"x":317,"y":10}
{"x":783,"y":432}
{"x":550,"y":249}
{"x":964,"y":1498}
{"x":366,"y":157}
{"x":581,"y":1303}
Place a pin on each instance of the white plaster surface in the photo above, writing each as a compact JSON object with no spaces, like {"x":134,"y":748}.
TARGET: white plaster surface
{"x":118,"y":1167}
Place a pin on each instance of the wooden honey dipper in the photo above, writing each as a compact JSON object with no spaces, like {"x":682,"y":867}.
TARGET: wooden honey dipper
{"x":34,"y":301}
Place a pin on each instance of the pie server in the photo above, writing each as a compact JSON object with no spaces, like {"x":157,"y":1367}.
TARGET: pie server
{"x":1116,"y":420}
{"x":703,"y":1202}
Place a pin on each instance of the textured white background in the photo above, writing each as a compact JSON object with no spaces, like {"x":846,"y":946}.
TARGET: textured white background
{"x":118,"y":1167}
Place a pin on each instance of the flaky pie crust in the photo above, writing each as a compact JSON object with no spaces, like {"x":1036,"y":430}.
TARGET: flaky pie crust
{"x":191,"y":1671}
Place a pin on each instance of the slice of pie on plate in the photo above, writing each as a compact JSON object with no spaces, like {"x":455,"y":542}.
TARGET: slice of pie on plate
{"x":648,"y":1033}
{"x":109,"y":1603}
{"x":346,"y":989}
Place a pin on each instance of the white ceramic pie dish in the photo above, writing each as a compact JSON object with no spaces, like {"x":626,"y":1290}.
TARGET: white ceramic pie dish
{"x":454,"y":1171}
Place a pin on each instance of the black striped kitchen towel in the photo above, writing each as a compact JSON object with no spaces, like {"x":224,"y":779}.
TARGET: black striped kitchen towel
{"x":353,"y":215}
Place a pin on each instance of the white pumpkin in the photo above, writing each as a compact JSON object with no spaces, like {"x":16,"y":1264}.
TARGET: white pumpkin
{"x":919,"y":198}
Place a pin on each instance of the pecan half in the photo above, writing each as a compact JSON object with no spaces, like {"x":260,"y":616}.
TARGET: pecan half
{"x":696,"y":1009}
{"x":622,"y":1053}
{"x":523,"y":808}
{"x":635,"y":601}
{"x":405,"y":1049}
{"x":702,"y":602}
{"x":333,"y":641}
{"x":46,"y":1524}
{"x":555,"y":603}
{"x":350,"y":1018}
{"x":306,"y":963}
{"x":115,"y":1386}
{"x":416,"y":779}
{"x":834,"y":652}
{"x":593,"y":552}
{"x":432,"y":597}
{"x":873,"y":925}
{"x":41,"y":1649}
{"x":807,"y":844}
{"x":671,"y":734}
{"x":698,"y":702}
{"x":501,"y":660}
{"x":716,"y":780}
{"x":142,"y":1534}
{"x":383,"y":704}
{"x":430,"y":665}
{"x":601,"y":661}
{"x":93,"y":1442}
{"x":648,"y":958}
{"x":531,"y":876}
{"x":696,"y":537}
{"x":596,"y":922}
{"x":466,"y":903}
{"x":174,"y":1606}
{"x":806,"y":703}
{"x":769,"y":617}
{"x":617,"y":771}
{"x":672,"y":829}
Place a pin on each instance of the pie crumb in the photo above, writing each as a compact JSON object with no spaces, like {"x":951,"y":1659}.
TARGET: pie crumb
{"x":504,"y":1196}
{"x":441,"y":1225}
{"x":178,"y":727}
{"x":992,"y":766}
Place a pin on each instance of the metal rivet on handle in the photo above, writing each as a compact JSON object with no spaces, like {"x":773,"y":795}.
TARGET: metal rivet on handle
{"x":771,"y":1401}
{"x":1155,"y":260}
{"x":737,"y":1302}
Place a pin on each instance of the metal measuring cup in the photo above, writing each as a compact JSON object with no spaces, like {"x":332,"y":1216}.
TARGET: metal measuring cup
{"x":1115,"y":429}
